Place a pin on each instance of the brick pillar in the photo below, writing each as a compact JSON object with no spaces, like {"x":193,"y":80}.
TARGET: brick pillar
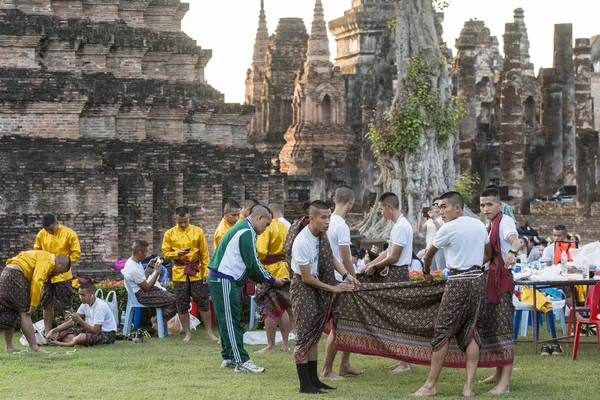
{"x":587,"y":170}
{"x":563,"y":61}
{"x":584,"y":119}
{"x":551,"y":121}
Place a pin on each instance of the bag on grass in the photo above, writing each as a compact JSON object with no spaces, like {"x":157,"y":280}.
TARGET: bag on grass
{"x":174,"y":325}
{"x":194,"y":322}
{"x":39,"y":334}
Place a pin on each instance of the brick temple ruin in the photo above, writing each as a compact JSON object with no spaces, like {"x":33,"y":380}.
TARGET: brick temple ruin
{"x":107,"y":121}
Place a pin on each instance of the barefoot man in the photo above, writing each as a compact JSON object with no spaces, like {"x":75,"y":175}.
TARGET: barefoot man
{"x":465,"y":242}
{"x":497,"y":317}
{"x":20,"y":291}
{"x":273,"y":303}
{"x":393,"y":265}
{"x":339,"y":239}
{"x":313,"y":264}
{"x":186,"y":245}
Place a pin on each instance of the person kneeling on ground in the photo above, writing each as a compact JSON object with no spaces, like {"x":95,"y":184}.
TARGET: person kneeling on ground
{"x":96,"y":322}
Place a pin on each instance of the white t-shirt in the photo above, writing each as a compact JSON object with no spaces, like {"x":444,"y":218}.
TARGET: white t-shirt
{"x":507,"y":228}
{"x":285,"y":221}
{"x":134,"y":274}
{"x":305,"y":251}
{"x":402,"y":235}
{"x":548,"y":254}
{"x":98,"y":314}
{"x":463,"y":241}
{"x":431,"y":230}
{"x":338,"y":235}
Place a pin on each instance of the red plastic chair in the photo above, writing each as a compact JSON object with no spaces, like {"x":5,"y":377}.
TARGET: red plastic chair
{"x":593,"y":319}
{"x":586,"y":308}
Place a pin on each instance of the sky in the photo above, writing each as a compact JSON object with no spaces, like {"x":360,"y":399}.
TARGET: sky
{"x":228,"y":27}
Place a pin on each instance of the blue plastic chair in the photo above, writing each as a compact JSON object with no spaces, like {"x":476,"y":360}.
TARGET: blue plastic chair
{"x":137,"y":315}
{"x":132,"y":304}
{"x":521,"y":319}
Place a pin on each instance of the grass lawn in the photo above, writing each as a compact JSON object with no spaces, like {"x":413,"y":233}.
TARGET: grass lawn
{"x":170,"y":369}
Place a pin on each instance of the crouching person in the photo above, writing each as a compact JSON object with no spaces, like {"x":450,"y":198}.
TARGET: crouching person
{"x":21,"y":285}
{"x":96,"y":322}
{"x":144,"y":283}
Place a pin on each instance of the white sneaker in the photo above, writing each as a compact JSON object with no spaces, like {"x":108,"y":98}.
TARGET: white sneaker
{"x":248,"y":366}
{"x":227,"y":364}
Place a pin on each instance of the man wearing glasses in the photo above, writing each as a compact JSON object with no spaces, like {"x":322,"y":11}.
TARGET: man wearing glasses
{"x":430,"y":222}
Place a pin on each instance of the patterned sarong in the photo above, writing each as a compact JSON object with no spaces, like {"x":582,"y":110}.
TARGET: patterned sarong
{"x":496,"y":328}
{"x":272,"y":302}
{"x":196,"y":290}
{"x":310,"y":305}
{"x":389,"y":274}
{"x":14,"y":297}
{"x":91,"y":339}
{"x":158,"y":298}
{"x":60,"y":292}
{"x":397,"y":320}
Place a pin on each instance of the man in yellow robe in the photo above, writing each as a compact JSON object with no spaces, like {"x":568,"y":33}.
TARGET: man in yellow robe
{"x":231,"y":214}
{"x":21,"y":285}
{"x":186,"y":245}
{"x":247,"y":210}
{"x":274,"y":303}
{"x":60,"y":241}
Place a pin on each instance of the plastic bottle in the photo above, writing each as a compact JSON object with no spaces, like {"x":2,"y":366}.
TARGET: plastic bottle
{"x":585,"y":266}
{"x":563,"y":263}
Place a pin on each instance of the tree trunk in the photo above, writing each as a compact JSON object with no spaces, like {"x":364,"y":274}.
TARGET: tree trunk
{"x":429,"y":171}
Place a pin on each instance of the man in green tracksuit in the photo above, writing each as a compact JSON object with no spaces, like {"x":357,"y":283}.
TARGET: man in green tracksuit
{"x":233,"y":262}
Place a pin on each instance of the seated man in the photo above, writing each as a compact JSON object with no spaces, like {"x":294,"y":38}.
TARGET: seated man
{"x":21,"y":289}
{"x":147,"y":291}
{"x":96,"y":322}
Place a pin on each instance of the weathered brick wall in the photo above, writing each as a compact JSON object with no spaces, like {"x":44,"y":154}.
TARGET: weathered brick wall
{"x":112,"y":192}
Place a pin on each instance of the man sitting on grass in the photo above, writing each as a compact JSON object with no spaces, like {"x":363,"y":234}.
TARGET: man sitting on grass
{"x":96,"y":322}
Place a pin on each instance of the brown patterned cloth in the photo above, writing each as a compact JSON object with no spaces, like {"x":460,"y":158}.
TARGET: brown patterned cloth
{"x":272,"y":302}
{"x":496,"y":328}
{"x":91,"y":339}
{"x":310,"y":305}
{"x":14,"y":297}
{"x":460,"y":310}
{"x":197,"y":290}
{"x":390,"y":274}
{"x":158,"y":298}
{"x":60,"y":292}
{"x":397,"y":320}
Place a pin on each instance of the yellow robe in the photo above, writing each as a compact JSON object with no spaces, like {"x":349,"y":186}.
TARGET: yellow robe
{"x":223,"y":227}
{"x":193,"y":237}
{"x":64,"y":242}
{"x":36,"y":266}
{"x":270,"y":242}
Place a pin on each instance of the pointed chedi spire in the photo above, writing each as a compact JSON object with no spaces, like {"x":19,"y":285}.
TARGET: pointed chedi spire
{"x":318,"y":44}
{"x":262,"y":36}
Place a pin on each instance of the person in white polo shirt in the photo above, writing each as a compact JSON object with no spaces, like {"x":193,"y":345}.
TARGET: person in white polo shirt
{"x":96,"y":323}
{"x":339,"y":239}
{"x":466,"y":243}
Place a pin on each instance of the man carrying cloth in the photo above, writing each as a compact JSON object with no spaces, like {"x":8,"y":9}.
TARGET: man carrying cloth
{"x":273,"y":303}
{"x":231,"y":214}
{"x":233,"y":262}
{"x":338,"y":235}
{"x":97,"y":324}
{"x":313,"y":264}
{"x":498,"y":312}
{"x":465,"y":242}
{"x":60,"y":241}
{"x":20,"y":291}
{"x":186,"y":245}
{"x":393,"y":265}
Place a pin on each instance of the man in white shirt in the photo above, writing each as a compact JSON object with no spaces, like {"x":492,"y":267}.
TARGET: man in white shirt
{"x":339,"y":239}
{"x":97,"y":322}
{"x":277,"y":211}
{"x":465,"y":242}
{"x":394,"y":263}
{"x":433,"y":221}
{"x":313,"y":264}
{"x":559,"y":234}
{"x":497,"y":318}
{"x":144,"y":282}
